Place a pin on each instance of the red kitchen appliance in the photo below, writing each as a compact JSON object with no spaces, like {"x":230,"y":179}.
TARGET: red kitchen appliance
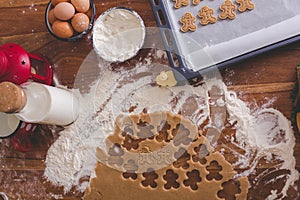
{"x":19,"y":66}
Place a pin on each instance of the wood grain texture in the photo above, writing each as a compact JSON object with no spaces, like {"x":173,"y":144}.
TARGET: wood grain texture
{"x":267,"y":76}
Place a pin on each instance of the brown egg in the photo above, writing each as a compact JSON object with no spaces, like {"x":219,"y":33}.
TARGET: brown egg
{"x":81,"y":6}
{"x":62,"y":29}
{"x":64,"y":11}
{"x":55,"y":2}
{"x":51,"y":17}
{"x":80,"y":22}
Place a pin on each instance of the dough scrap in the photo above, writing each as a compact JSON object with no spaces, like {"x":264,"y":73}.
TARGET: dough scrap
{"x":162,"y":156}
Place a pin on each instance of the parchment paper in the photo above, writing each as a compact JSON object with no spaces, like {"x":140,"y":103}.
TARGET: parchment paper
{"x":258,"y":26}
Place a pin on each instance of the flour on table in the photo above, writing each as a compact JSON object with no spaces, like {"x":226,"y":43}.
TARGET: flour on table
{"x":264,"y":133}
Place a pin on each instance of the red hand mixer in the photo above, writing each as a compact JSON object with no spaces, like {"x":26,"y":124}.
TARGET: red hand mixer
{"x":19,"y":66}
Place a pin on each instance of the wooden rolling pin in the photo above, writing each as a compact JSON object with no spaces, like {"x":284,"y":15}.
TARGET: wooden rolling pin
{"x":297,"y":98}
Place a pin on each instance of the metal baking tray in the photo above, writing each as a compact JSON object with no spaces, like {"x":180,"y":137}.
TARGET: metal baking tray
{"x":271,"y":24}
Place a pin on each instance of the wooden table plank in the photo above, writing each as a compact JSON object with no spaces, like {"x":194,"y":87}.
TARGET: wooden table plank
{"x":266,"y":77}
{"x":23,"y":3}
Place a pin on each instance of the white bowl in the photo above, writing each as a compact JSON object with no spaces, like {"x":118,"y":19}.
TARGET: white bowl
{"x":118,"y":34}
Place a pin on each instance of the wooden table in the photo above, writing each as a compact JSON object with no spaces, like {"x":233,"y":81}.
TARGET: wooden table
{"x":271,"y":75}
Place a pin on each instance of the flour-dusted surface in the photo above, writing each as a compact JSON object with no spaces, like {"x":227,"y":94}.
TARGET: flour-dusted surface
{"x":261,"y":135}
{"x":72,"y":156}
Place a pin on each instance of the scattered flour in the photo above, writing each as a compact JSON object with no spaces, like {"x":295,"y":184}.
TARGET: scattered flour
{"x":273,"y":195}
{"x":262,"y":133}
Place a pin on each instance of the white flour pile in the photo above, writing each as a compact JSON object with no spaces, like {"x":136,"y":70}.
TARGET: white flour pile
{"x":118,"y":34}
{"x":264,"y":133}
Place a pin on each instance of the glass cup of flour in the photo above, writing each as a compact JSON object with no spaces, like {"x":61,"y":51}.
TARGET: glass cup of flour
{"x":118,"y":34}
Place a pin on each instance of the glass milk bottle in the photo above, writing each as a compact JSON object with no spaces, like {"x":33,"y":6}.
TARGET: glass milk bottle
{"x":8,"y":124}
{"x":37,"y":103}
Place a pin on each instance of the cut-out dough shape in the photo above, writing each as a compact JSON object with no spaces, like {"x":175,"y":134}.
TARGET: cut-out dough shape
{"x":163,"y":180}
{"x":196,"y":2}
{"x":180,"y":3}
{"x":206,"y":15}
{"x":188,"y":22}
{"x":166,"y":79}
{"x":228,"y":10}
{"x":245,"y":5}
